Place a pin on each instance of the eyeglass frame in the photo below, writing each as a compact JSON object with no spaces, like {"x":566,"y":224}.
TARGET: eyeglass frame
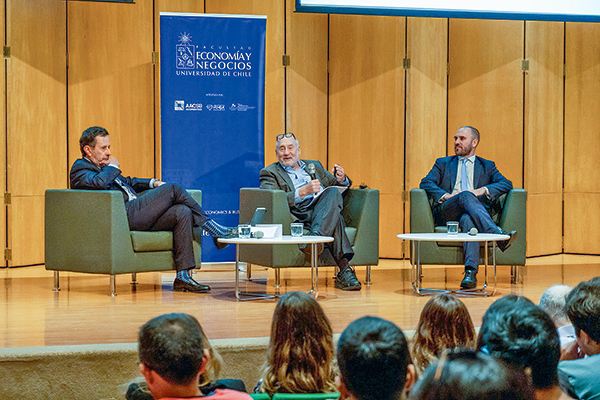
{"x":285,"y":135}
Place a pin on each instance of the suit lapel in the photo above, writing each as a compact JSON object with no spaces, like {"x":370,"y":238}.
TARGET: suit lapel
{"x":286,"y":177}
{"x":453,"y":172}
{"x":477,"y":171}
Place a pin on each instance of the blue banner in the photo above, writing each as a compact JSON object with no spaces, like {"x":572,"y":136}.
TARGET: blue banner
{"x":212,"y":81}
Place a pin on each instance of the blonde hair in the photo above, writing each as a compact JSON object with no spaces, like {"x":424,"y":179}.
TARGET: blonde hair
{"x":300,"y":356}
{"x":445,"y":323}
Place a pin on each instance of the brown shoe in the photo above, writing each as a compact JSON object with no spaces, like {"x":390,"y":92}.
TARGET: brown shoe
{"x":306,"y":248}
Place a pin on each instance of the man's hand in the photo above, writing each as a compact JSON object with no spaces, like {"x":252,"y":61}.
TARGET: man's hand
{"x":158,"y":183}
{"x":447,"y":196}
{"x":479,"y":192}
{"x":113,"y":161}
{"x":571,"y":352}
{"x":338,"y":172}
{"x":311,"y":187}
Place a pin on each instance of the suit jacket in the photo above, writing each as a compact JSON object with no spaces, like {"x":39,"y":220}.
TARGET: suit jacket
{"x":87,"y":175}
{"x":442,"y":177}
{"x":275,"y":177}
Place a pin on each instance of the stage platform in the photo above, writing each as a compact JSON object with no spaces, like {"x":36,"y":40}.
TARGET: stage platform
{"x":82,"y":313}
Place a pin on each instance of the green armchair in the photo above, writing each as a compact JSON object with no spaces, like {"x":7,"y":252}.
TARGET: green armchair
{"x":87,"y":231}
{"x":361,"y":214}
{"x":509,"y":213}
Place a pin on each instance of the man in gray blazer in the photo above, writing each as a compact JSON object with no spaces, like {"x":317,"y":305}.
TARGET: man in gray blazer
{"x":314,"y":199}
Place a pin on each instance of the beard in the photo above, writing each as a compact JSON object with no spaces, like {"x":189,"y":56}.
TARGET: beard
{"x":463,"y":151}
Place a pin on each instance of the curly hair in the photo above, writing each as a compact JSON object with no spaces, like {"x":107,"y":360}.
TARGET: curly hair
{"x":300,"y":356}
{"x":445,"y":323}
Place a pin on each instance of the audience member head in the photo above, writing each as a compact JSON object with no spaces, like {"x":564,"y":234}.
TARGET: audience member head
{"x":374,"y":361}
{"x":583,"y":309}
{"x":89,"y":137}
{"x":172,"y":355}
{"x":520,"y":333}
{"x":553,"y":302}
{"x":469,"y":375}
{"x":445,"y":323}
{"x":300,"y":356}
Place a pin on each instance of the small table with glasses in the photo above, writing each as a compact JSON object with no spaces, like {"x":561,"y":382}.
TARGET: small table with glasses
{"x":416,"y":272}
{"x":309,"y":240}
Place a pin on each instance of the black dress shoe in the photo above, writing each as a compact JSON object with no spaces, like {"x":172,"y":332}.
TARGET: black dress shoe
{"x":219,"y":245}
{"x":346,"y":280}
{"x":470,"y":280}
{"x":505,"y":244}
{"x":189,"y":285}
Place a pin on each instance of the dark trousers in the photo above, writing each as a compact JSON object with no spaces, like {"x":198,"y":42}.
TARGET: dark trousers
{"x":324,"y":218}
{"x":169,"y":207}
{"x":470,"y":213}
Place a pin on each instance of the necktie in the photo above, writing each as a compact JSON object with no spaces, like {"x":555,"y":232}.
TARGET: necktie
{"x":464,"y":178}
{"x":128,"y":189}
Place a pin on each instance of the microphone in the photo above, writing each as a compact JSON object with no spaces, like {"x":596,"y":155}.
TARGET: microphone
{"x":258,"y":235}
{"x":473,"y":231}
{"x":310,"y":168}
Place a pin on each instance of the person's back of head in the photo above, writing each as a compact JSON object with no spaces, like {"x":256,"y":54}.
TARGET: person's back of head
{"x":300,"y":356}
{"x":520,"y":333}
{"x":469,"y":375}
{"x":553,"y":302}
{"x":583,"y":309}
{"x":171,"y":345}
{"x":374,"y":360}
{"x":445,"y":323}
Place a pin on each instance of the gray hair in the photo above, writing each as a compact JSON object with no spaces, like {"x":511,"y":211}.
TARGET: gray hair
{"x":553,"y":302}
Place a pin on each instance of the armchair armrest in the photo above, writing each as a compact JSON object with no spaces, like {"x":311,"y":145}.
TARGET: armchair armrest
{"x":361,"y":211}
{"x":275,"y":201}
{"x":421,"y":217}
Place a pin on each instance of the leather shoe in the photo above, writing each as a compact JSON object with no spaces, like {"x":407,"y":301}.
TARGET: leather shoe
{"x":346,"y":280}
{"x":231,"y":233}
{"x":306,"y":248}
{"x":470,"y":280}
{"x":190,"y":285}
{"x":219,"y":245}
{"x":505,"y":244}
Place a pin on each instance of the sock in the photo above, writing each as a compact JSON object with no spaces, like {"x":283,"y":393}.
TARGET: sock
{"x":183,"y":275}
{"x":215,"y":229}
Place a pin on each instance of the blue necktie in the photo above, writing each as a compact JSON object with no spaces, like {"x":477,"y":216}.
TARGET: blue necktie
{"x":464,"y":178}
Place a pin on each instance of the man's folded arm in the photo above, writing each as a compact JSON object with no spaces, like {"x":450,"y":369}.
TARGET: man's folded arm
{"x":89,"y":179}
{"x":431,"y":181}
{"x":499,"y":185}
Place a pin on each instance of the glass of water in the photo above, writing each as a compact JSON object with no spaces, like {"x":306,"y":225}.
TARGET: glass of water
{"x":297,"y":228}
{"x":452,"y":228}
{"x":244,"y":231}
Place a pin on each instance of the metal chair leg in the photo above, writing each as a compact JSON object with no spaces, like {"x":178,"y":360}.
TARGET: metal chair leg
{"x":113,"y":285}
{"x":277,"y":277}
{"x":56,"y":282}
{"x":248,"y":271}
{"x":514,"y":271}
{"x":134,"y":279}
{"x":368,"y":282}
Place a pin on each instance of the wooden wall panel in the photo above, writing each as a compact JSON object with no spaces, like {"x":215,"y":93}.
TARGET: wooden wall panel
{"x":111,"y":79}
{"x":3,"y":165}
{"x":544,"y":223}
{"x":582,"y":223}
{"x":366,"y":110}
{"x":582,"y":141}
{"x":543,"y":145}
{"x":426,"y":98}
{"x":187,"y":6}
{"x":275,"y":75}
{"x":306,"y":82}
{"x":36,"y":120}
{"x":486,"y":89}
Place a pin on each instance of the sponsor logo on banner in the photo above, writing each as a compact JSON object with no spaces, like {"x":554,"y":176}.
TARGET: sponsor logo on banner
{"x":215,"y":107}
{"x":212,"y":60}
{"x":179,"y":104}
{"x":240,"y":107}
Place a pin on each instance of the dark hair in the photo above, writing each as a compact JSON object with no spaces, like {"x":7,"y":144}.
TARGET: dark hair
{"x":520,"y":333}
{"x":445,"y":323}
{"x":373,"y":359}
{"x":88,"y":137}
{"x":473,"y":131}
{"x":172,"y":346}
{"x":469,"y":375}
{"x":300,"y":356}
{"x":583,"y":308}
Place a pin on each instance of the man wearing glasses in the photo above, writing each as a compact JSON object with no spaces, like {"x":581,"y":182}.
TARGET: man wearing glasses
{"x":315,"y":200}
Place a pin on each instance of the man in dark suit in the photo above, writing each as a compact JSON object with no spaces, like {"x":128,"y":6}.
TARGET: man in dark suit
{"x":314,"y":200}
{"x":162,"y":207}
{"x":462,"y":188}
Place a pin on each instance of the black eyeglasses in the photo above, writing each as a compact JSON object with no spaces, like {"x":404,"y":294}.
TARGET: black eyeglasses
{"x":285,"y":135}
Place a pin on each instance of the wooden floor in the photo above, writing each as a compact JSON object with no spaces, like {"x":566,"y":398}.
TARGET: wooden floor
{"x":31,"y":314}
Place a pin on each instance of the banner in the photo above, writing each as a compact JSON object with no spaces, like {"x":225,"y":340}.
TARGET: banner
{"x":212,"y":81}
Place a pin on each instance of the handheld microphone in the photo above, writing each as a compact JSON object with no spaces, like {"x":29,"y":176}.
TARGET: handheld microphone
{"x":473,"y":231}
{"x":310,"y":168}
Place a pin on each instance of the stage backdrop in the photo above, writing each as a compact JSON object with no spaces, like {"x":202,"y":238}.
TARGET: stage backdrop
{"x":212,"y":80}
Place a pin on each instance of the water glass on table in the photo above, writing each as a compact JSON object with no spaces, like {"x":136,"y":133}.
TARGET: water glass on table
{"x":244,"y":231}
{"x":452,"y":228}
{"x":297,"y":229}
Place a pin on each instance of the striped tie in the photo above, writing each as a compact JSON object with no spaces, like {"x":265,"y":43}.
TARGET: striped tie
{"x":464,"y":178}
